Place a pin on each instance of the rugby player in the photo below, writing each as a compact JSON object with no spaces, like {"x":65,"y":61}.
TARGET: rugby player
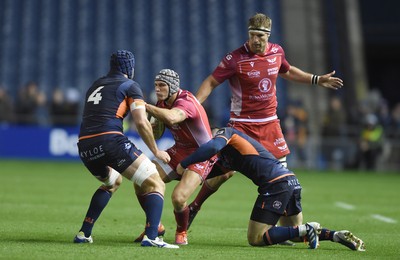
{"x":252,"y":71}
{"x":279,"y":192}
{"x":188,"y":123}
{"x":108,"y":154}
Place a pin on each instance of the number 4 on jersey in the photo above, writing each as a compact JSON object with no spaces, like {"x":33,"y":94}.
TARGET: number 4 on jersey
{"x":95,"y":97}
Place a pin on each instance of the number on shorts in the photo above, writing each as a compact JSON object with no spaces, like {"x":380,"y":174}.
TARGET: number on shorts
{"x":95,"y":97}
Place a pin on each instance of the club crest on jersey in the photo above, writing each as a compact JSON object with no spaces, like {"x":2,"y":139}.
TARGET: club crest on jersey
{"x":265,"y":85}
{"x":274,"y":50}
{"x":252,"y":64}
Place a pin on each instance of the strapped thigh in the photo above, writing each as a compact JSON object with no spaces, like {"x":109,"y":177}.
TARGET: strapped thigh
{"x":146,"y":168}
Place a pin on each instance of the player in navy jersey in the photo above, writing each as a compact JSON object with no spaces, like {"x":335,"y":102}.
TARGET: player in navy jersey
{"x":108,"y":154}
{"x":252,"y":71}
{"x":279,"y":191}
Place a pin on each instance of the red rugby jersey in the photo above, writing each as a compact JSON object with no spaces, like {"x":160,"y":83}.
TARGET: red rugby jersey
{"x":195,"y":129}
{"x":252,"y":79}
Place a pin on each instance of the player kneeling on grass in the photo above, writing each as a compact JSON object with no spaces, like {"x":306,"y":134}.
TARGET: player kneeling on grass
{"x":279,"y":192}
{"x":107,"y":152}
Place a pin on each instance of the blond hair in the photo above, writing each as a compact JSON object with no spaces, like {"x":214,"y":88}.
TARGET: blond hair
{"x":260,"y":21}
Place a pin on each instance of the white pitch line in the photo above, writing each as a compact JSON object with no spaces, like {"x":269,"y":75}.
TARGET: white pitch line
{"x":383,"y":218}
{"x":344,"y":205}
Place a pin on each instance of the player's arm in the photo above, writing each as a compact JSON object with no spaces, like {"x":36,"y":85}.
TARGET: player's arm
{"x":327,"y":80}
{"x":204,"y":152}
{"x":167,"y":116}
{"x":138,"y":111}
{"x":206,"y":87}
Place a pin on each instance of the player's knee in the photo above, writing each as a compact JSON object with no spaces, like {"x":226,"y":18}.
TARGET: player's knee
{"x":147,"y":171}
{"x":113,"y":181}
{"x":227,"y":175}
{"x":255,"y":240}
{"x":178,"y":198}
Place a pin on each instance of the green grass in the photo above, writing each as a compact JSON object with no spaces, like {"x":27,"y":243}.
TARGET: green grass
{"x":42,"y":205}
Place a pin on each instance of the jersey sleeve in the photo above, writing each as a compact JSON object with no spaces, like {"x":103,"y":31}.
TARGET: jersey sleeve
{"x":186,"y":106}
{"x":285,"y":66}
{"x":225,"y":69}
{"x":134,"y":95}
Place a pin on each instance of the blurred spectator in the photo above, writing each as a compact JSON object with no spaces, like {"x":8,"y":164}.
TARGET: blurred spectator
{"x":335,"y":120}
{"x":63,"y":112}
{"x":6,"y":107}
{"x":30,"y":105}
{"x":334,"y":134}
{"x":395,"y":124}
{"x":64,"y":107}
{"x":371,"y":143}
{"x":296,"y":132}
{"x":383,"y":114}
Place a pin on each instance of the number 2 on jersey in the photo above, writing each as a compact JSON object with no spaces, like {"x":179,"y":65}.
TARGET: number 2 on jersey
{"x":95,"y":97}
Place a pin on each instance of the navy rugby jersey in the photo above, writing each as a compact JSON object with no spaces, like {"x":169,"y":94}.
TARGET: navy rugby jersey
{"x":107,"y":102}
{"x":238,"y":151}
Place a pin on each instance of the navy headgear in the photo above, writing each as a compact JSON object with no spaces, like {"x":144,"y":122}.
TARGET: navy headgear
{"x":124,"y":62}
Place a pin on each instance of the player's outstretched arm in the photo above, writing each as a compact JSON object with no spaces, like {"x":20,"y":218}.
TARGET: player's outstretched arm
{"x":327,"y":80}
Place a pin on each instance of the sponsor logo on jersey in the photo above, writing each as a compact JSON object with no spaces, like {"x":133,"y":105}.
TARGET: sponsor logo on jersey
{"x":273,"y":71}
{"x":228,"y":57}
{"x":199,"y":166}
{"x":262,"y":97}
{"x":121,"y":162}
{"x":221,"y":65}
{"x":279,"y":141}
{"x":272,"y":61}
{"x":283,"y":147}
{"x":94,"y":153}
{"x":254,"y":74}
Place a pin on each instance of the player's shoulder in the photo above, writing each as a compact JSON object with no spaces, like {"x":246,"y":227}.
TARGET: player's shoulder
{"x":274,"y":48}
{"x":185,"y":95}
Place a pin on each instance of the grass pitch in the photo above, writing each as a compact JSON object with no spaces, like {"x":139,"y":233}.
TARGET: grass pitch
{"x":42,"y":205}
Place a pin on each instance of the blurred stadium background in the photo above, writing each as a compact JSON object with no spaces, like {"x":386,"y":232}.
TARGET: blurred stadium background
{"x":65,"y":45}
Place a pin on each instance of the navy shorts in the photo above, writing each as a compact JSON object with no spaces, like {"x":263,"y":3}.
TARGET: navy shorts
{"x":113,"y":150}
{"x":281,"y":198}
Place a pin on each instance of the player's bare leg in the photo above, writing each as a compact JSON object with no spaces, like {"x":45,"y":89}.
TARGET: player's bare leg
{"x":210,"y":186}
{"x":182,"y":192}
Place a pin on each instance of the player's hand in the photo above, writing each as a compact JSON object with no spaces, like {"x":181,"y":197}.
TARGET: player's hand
{"x":163,"y":156}
{"x":180,"y":169}
{"x":328,"y":81}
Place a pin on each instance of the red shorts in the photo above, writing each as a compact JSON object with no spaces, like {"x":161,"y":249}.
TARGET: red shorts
{"x":269,"y":134}
{"x":178,"y":154}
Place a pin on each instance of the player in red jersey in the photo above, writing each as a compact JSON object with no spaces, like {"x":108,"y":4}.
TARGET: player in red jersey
{"x":252,"y":71}
{"x":188,"y":123}
{"x":108,"y":154}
